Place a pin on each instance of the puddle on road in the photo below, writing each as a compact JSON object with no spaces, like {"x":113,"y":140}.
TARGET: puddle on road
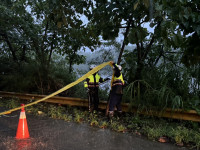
{"x":11,"y":143}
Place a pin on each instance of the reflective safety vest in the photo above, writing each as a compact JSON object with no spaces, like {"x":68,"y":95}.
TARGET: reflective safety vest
{"x":118,"y":80}
{"x":92,"y":81}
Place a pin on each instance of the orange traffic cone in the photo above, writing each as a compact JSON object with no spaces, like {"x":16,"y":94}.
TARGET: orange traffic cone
{"x":22,"y":130}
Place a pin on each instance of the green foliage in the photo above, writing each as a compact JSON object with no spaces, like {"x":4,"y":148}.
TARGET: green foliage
{"x":79,"y":91}
{"x":34,"y":80}
{"x":180,"y":134}
{"x":67,"y":117}
{"x":56,"y":112}
{"x":30,"y":39}
{"x":186,"y":14}
{"x":1,"y":103}
{"x":78,"y":118}
{"x":103,"y":94}
{"x":94,"y":122}
{"x":143,"y":95}
{"x":114,"y":125}
{"x":165,"y":83}
{"x":104,"y":124}
{"x":33,"y":109}
{"x":191,"y":53}
{"x":121,"y":128}
{"x":78,"y":115}
{"x":12,"y":103}
{"x":197,"y":140}
{"x":137,"y":35}
{"x":155,"y":60}
{"x":154,"y":133}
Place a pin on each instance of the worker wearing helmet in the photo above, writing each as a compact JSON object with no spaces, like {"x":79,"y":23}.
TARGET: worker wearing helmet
{"x":92,"y":83}
{"x":117,"y":84}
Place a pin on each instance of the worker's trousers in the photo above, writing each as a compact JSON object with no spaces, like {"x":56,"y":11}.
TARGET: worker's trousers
{"x":93,"y":99}
{"x":115,"y":100}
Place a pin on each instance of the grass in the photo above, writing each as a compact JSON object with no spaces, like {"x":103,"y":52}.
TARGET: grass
{"x":182,"y":133}
{"x":103,"y":124}
{"x":94,"y":122}
{"x":154,"y":133}
{"x":121,"y":128}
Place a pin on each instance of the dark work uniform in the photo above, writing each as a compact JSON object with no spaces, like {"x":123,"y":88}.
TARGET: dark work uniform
{"x":93,"y":88}
{"x":116,"y":91}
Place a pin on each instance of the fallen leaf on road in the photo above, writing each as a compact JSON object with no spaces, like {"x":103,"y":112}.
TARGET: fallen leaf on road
{"x":163,"y":139}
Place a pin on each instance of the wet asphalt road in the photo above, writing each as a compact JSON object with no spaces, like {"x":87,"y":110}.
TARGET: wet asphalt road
{"x":50,"y":134}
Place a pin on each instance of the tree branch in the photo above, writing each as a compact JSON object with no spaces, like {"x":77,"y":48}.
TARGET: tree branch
{"x":23,"y":53}
{"x":161,"y":54}
{"x":125,"y":36}
{"x":148,"y":48}
{"x":52,"y":47}
{"x":4,"y":34}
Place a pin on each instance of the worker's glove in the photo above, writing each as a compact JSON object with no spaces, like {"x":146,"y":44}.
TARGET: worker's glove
{"x":106,"y":79}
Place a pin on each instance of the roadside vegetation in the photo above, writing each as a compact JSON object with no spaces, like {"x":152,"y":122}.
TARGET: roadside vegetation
{"x":41,"y":41}
{"x":155,"y":41}
{"x":181,"y":133}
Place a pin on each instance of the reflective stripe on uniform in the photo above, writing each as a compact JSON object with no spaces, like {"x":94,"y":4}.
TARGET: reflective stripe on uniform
{"x":93,"y":85}
{"x":117,"y":84}
{"x":118,"y":80}
{"x":92,"y":80}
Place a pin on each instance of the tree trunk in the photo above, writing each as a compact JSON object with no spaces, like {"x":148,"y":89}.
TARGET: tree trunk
{"x":71,"y":59}
{"x":5,"y":36}
{"x":142,"y":55}
{"x":124,"y":43}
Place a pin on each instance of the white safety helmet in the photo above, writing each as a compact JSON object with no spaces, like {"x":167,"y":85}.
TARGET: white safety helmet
{"x":119,"y":67}
{"x":92,"y":67}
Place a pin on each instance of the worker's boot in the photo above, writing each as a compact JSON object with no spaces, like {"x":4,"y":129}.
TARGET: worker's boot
{"x":110,"y":115}
{"x":119,"y":114}
{"x":91,"y":108}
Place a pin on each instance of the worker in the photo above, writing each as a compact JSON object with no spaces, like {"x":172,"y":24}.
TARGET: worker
{"x":92,"y":84}
{"x":116,"y":93}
